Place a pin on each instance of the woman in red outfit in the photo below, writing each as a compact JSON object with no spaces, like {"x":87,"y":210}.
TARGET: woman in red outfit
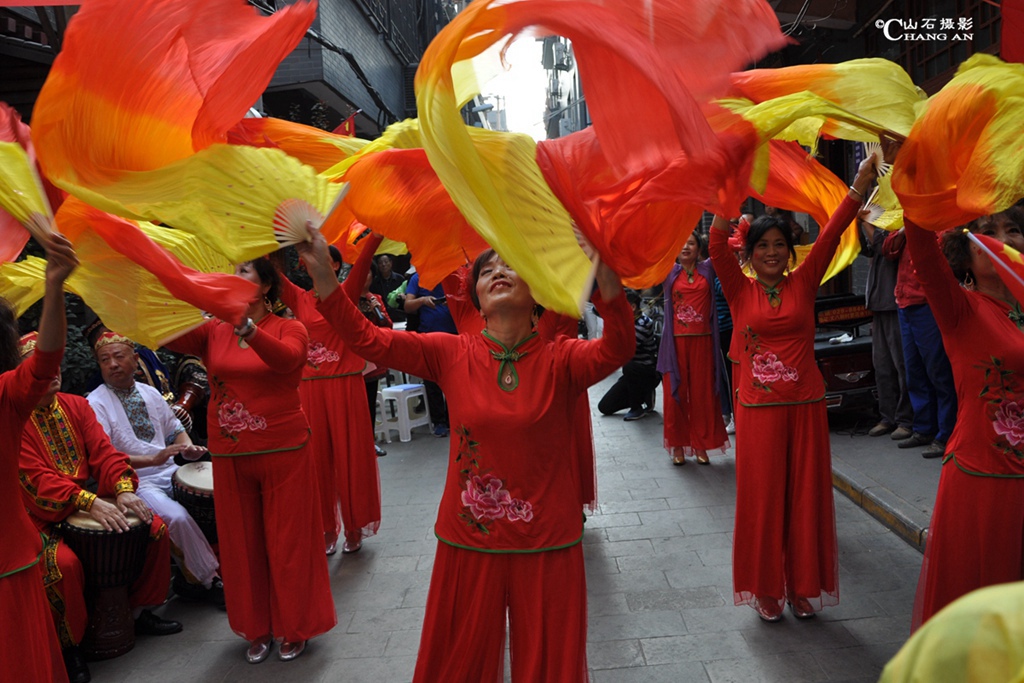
{"x":975,"y":539}
{"x":271,"y":540}
{"x":509,"y":524}
{"x":27,"y":622}
{"x":689,"y":358}
{"x":784,"y":546}
{"x":333,"y":394}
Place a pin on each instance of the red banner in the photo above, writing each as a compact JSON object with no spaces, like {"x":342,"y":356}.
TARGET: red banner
{"x":1012,"y":49}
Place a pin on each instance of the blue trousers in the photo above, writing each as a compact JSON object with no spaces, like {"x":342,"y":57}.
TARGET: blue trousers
{"x":929,"y":375}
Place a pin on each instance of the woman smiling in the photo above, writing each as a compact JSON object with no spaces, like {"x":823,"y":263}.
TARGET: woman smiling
{"x":784,"y":546}
{"x":509,"y":524}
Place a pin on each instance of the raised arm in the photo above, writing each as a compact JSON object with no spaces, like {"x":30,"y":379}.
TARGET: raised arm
{"x":283,"y":355}
{"x":730,"y":275}
{"x":591,"y":361}
{"x":947,"y":298}
{"x":420,"y":354}
{"x":353,"y":284}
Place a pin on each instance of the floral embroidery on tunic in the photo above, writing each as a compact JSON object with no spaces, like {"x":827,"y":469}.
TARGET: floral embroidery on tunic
{"x":684,"y":314}
{"x":765,"y":365}
{"x":317,"y":354}
{"x":1007,"y":414}
{"x":232,"y":417}
{"x":484,"y":496}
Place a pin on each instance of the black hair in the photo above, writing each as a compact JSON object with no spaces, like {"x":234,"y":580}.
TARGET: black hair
{"x":956,"y":245}
{"x":761,"y":225}
{"x":335,"y":253}
{"x":9,"y":356}
{"x":269,"y":276}
{"x":633,"y":297}
{"x":478,"y":265}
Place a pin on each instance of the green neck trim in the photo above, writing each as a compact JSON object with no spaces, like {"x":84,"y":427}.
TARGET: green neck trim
{"x":773,"y":292}
{"x":507,"y":358}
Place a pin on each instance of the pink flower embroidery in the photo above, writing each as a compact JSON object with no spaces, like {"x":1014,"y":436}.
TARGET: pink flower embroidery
{"x":233,"y":417}
{"x":687,"y":314}
{"x":519,"y":510}
{"x":485,"y":497}
{"x":767,"y":368}
{"x":1009,"y":422}
{"x":317,"y":353}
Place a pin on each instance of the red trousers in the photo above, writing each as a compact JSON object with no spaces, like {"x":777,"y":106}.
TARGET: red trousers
{"x":976,"y":539}
{"x":67,"y":595}
{"x":544,"y":597}
{"x":694,"y":422}
{"x":26,"y":626}
{"x":784,"y":545}
{"x":272,"y":546}
{"x":346,"y":461}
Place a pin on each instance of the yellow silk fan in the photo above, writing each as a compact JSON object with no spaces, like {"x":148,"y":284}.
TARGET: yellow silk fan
{"x":242,"y":201}
{"x":21,"y":191}
{"x":23,"y":283}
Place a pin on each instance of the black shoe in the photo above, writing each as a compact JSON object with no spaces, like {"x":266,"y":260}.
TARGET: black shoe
{"x":149,"y":624}
{"x":916,"y":439}
{"x":936,"y":449}
{"x":380,"y":451}
{"x":77,"y":670}
{"x":197,"y":592}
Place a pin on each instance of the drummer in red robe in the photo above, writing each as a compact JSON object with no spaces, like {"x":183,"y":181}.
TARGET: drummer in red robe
{"x":62,"y":447}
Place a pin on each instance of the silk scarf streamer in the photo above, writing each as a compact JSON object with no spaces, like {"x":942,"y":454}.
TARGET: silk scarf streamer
{"x":132,"y":125}
{"x":618,"y":64}
{"x":975,"y":126}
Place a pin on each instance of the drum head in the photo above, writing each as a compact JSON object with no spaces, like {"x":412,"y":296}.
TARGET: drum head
{"x":197,"y":476}
{"x":82,"y":520}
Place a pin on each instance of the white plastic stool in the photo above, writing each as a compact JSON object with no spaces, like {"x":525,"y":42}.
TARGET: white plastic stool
{"x":402,"y":394}
{"x":380,"y":427}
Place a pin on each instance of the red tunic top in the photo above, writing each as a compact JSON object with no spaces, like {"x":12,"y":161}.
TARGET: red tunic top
{"x":691,"y":306}
{"x":62,"y":447}
{"x":775,"y":344}
{"x":986,"y":350}
{"x":326,"y":354}
{"x":512,"y":485}
{"x":254,"y":389}
{"x":20,"y":390}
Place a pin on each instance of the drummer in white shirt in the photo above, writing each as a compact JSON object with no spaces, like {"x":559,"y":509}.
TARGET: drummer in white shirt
{"x":141,"y":424}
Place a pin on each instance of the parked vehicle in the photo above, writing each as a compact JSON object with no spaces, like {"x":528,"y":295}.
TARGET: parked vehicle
{"x":842,"y":349}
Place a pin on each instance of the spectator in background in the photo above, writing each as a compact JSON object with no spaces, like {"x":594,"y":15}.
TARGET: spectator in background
{"x":432,"y":307}
{"x":635,"y":388}
{"x":894,"y":409}
{"x":385,"y":281}
{"x":690,"y":359}
{"x":928,"y":372}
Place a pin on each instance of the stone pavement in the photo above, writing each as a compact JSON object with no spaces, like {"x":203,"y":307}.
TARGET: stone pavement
{"x":659,"y":578}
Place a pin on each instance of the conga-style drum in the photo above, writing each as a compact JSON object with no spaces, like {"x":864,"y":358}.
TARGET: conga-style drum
{"x":112,"y":562}
{"x":193,"y":488}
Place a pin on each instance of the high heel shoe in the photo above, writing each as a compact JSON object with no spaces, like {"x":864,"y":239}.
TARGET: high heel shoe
{"x":259,"y":650}
{"x":703,"y":459}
